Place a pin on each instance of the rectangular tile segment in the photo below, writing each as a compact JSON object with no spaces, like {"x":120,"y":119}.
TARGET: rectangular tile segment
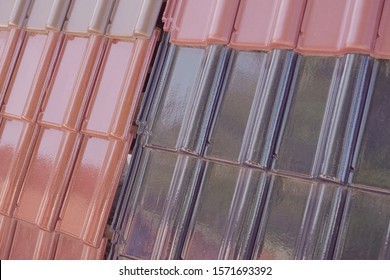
{"x":185,"y":96}
{"x":218,"y":16}
{"x":372,"y":165}
{"x":72,"y":82}
{"x":134,"y":18}
{"x":225,"y":214}
{"x":27,"y":85}
{"x":118,"y":86}
{"x":69,"y":248}
{"x":382,"y":46}
{"x":10,"y":42}
{"x":155,"y":216}
{"x":339,"y":26}
{"x":249,"y":110}
{"x":319,"y":127}
{"x":47,"y":177}
{"x":365,"y":227}
{"x":32,"y":243}
{"x":299,"y":220}
{"x":16,"y":141}
{"x":92,"y":188}
{"x":267,"y":24}
{"x":7,"y":230}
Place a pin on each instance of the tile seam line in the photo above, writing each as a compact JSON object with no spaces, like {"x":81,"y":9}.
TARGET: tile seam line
{"x":317,"y":180}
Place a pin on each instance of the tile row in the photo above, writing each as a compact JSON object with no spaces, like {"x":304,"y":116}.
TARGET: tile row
{"x":23,"y":241}
{"x":70,"y":93}
{"x":178,"y":206}
{"x":309,"y":116}
{"x":330,"y":27}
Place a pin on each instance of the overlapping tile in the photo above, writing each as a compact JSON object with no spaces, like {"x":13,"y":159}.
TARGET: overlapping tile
{"x":371,"y":166}
{"x":180,"y":16}
{"x":7,"y":230}
{"x":299,"y":220}
{"x":186,"y":97}
{"x":225,"y":214}
{"x":365,"y":227}
{"x":16,"y":143}
{"x":294,"y":113}
{"x":50,"y":107}
{"x":47,"y":177}
{"x":321,"y":116}
{"x":154,"y":218}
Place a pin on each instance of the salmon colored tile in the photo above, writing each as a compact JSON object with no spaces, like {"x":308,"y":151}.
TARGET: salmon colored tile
{"x":119,"y":83}
{"x":339,"y":26}
{"x":46,"y":179}
{"x":92,"y":189}
{"x":10,"y":41}
{"x":16,"y":141}
{"x":72,"y":80}
{"x":382,"y":47}
{"x":7,"y":229}
{"x":30,"y":76}
{"x":200,"y":22}
{"x":69,"y":248}
{"x":32,"y":243}
{"x":267,"y":24}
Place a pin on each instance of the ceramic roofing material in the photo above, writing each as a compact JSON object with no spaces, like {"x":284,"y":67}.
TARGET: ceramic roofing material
{"x":47,"y":177}
{"x":7,"y":229}
{"x":69,"y":248}
{"x":190,"y":93}
{"x":26,"y":87}
{"x":364,"y":232}
{"x":30,"y":243}
{"x":72,"y":81}
{"x":92,"y":188}
{"x":118,"y":87}
{"x":16,"y":143}
{"x":156,"y":213}
{"x":382,"y":47}
{"x":339,"y":27}
{"x":180,"y":17}
{"x":13,"y":13}
{"x":299,"y":220}
{"x":371,"y":165}
{"x":320,"y":124}
{"x":46,"y":15}
{"x":134,"y":18}
{"x":277,"y":27}
{"x":252,"y":96}
{"x":87,"y":16}
{"x":10,"y":43}
{"x":225,"y":214}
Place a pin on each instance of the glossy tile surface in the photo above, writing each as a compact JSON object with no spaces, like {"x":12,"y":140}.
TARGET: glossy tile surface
{"x":92,"y":188}
{"x":72,"y":81}
{"x":16,"y":139}
{"x":226,"y":210}
{"x":299,"y":220}
{"x":365,"y":227}
{"x":372,"y":165}
{"x":46,"y":179}
{"x":30,"y":242}
{"x":27,"y":85}
{"x":156,"y":215}
{"x":117,"y":89}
